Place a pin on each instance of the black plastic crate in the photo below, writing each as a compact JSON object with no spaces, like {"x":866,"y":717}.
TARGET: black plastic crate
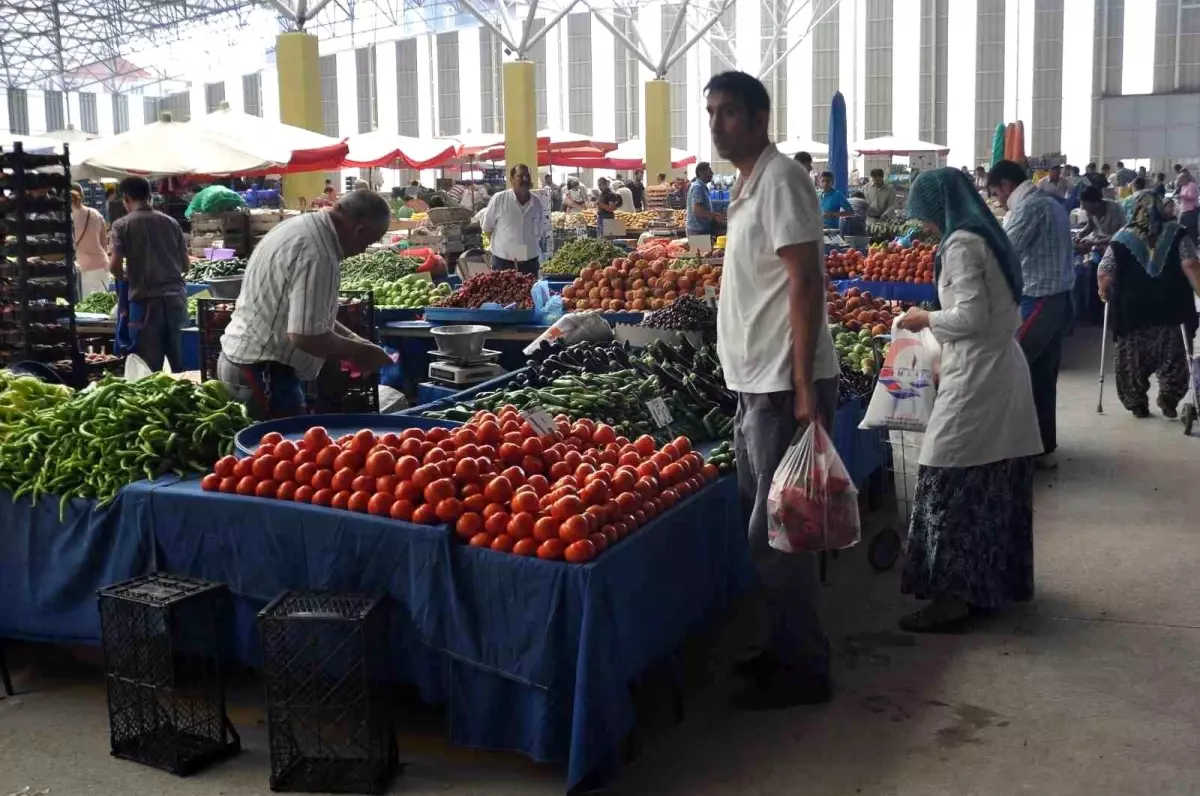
{"x":212,"y":317}
{"x":163,"y":647}
{"x":329,"y":716}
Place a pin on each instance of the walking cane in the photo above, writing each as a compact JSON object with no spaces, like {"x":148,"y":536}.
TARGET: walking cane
{"x":1103,"y":342}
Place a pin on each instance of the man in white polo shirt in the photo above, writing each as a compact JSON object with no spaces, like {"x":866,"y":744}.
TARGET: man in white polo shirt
{"x":516,"y":220}
{"x":775,"y":349}
{"x":285,"y":324}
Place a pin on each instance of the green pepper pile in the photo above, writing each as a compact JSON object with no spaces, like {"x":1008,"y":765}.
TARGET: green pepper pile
{"x":103,"y":438}
{"x":20,"y":395}
{"x":577,"y":254}
{"x":102,"y":303}
{"x":378,"y":267}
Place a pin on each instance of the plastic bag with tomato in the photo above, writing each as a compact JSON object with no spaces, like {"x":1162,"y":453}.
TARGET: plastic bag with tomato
{"x":812,"y":505}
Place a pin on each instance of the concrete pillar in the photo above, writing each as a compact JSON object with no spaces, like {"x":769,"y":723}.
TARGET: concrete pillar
{"x":657,"y":111}
{"x":299,"y":105}
{"x":520,"y":115}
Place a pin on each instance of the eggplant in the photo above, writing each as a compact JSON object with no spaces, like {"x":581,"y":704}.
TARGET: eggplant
{"x":668,"y":380}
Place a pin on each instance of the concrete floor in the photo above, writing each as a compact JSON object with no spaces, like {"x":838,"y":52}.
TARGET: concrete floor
{"x":1091,"y":689}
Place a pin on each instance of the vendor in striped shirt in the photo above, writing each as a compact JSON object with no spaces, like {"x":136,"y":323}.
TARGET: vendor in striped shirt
{"x":285,"y":324}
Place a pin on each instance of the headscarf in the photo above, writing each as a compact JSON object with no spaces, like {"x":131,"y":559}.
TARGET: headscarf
{"x":947,"y":198}
{"x":1149,"y":234}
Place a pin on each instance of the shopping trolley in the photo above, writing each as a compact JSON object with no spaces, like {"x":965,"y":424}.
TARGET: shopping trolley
{"x":900,"y":470}
{"x":1191,"y":401}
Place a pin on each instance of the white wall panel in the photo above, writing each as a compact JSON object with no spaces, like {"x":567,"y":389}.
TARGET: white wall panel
{"x":1137,"y":63}
{"x":604,"y":76}
{"x":799,"y":66}
{"x":269,"y":82}
{"x":37,"y":111}
{"x":906,"y":68}
{"x":234,"y":93}
{"x":960,"y":83}
{"x":556,"y":78}
{"x":1024,"y":67}
{"x":470,"y":93}
{"x":104,"y":112}
{"x":1159,"y":126}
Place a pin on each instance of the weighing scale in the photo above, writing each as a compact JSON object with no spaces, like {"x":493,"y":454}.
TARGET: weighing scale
{"x":456,"y":371}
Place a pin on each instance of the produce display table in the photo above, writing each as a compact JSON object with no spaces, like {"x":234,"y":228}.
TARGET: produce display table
{"x":896,"y":291}
{"x":527,"y":655}
{"x":428,"y":392}
{"x":190,"y":339}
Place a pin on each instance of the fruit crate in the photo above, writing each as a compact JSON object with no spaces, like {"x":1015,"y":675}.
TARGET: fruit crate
{"x":212,"y":316}
{"x":329,"y":713}
{"x":163,"y":648}
{"x":37,"y":264}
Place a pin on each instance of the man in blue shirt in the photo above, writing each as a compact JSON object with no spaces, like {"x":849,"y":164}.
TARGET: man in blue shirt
{"x":700,"y":215}
{"x":1039,"y":229}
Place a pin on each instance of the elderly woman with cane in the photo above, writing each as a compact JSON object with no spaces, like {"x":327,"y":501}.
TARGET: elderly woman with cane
{"x":1144,"y":275}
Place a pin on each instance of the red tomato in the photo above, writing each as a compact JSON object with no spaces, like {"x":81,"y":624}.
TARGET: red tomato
{"x":390,"y":440}
{"x":284,"y":471}
{"x":580,"y":552}
{"x":380,"y":504}
{"x":438,"y":491}
{"x":266,"y":488}
{"x":285,"y":449}
{"x":304,"y":494}
{"x":381,"y":463}
{"x":424,"y":476}
{"x":520,"y":526}
{"x":498,"y":490}
{"x":323,"y":497}
{"x":503,"y":543}
{"x":343,"y":480}
{"x":566,"y":506}
{"x":410,"y":447}
{"x":263,"y":466}
{"x":359,"y":502}
{"x":574,"y":528}
{"x":305,"y":473}
{"x":437,"y":434}
{"x":526,"y":502}
{"x":401,"y":510}
{"x":468,"y":525}
{"x":363,"y":483}
{"x":386,"y":484}
{"x":315,"y":439}
{"x":243,"y":467}
{"x":482,"y":539}
{"x":551,"y":549}
{"x":526,"y":547}
{"x":683,"y":444}
{"x":210,"y":482}
{"x":497,"y":522}
{"x":424,"y":515}
{"x":341,"y":500}
{"x":645,"y":444}
{"x":363,"y":441}
{"x":303,"y":457}
{"x":406,"y":466}
{"x":449,"y":509}
{"x":229,"y":485}
{"x":224,"y":466}
{"x":466,"y":471}
{"x":710,"y":472}
{"x":287,"y":490}
{"x":327,"y":457}
{"x":476,"y":503}
{"x":273,"y":438}
{"x":322,"y":479}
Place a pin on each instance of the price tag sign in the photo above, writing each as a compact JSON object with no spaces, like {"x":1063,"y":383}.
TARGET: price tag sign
{"x":710,"y":295}
{"x":700,"y":244}
{"x":540,"y":420}
{"x":659,"y":412}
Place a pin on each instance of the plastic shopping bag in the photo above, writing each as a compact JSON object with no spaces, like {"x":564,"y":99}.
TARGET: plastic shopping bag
{"x":904,"y":394}
{"x":812,"y":505}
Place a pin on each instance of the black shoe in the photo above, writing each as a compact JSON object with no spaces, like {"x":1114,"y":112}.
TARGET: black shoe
{"x":788,"y":689}
{"x":1141,"y":412}
{"x":1168,"y":411}
{"x":762,"y":666}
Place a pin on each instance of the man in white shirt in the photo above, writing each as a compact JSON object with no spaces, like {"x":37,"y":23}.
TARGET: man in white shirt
{"x":285,"y":324}
{"x":515,"y":220}
{"x":775,"y":349}
{"x":1054,"y":183}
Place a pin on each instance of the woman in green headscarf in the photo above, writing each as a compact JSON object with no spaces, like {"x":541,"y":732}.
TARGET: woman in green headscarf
{"x":1146,"y":272}
{"x":970,"y":539}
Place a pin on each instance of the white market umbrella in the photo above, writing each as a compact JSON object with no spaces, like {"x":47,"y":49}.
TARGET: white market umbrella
{"x":69,"y":136}
{"x":167,"y":148}
{"x":309,"y":151}
{"x":28,"y":143}
{"x":554,"y":145}
{"x":794,"y":146}
{"x":378,"y":148}
{"x":893,"y":145}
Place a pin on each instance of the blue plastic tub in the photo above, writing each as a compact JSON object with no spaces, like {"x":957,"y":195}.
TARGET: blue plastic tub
{"x":459,"y":315}
{"x":294,"y":428}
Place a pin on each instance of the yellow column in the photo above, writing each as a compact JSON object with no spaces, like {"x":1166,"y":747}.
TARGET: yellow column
{"x":299,"y":105}
{"x":520,"y":117}
{"x":658,"y":129}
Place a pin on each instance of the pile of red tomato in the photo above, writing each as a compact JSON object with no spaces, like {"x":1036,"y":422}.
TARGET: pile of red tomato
{"x":569,"y":495}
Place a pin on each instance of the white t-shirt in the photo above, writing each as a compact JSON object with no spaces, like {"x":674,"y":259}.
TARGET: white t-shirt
{"x":290,"y":287}
{"x":515,"y":228}
{"x":773,"y":207}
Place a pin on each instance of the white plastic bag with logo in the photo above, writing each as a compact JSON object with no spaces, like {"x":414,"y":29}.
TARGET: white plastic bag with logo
{"x":906,"y":389}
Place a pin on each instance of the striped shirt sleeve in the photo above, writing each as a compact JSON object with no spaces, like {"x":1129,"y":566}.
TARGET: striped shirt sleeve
{"x":310,"y":311}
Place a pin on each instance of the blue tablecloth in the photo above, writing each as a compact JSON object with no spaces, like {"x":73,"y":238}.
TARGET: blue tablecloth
{"x":897,"y":291}
{"x":428,"y":392}
{"x":50,"y":571}
{"x":527,"y":655}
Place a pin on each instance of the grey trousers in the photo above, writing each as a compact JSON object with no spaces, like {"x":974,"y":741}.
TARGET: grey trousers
{"x":764,"y":427}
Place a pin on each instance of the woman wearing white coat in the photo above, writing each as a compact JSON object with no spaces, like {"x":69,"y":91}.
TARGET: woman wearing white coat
{"x":971,"y":535}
